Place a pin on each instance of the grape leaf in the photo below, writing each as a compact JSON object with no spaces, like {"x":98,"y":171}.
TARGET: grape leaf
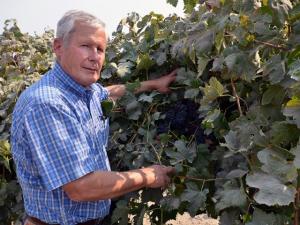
{"x":133,"y":109}
{"x":292,"y":109}
{"x":260,"y":217}
{"x":294,"y":70}
{"x":120,"y":213}
{"x":273,"y":95}
{"x":274,"y":69}
{"x":277,"y":165}
{"x":124,"y":68}
{"x":183,"y":152}
{"x":191,"y":93}
{"x":173,"y":2}
{"x":195,"y":198}
{"x":212,"y":91}
{"x":230,"y":196}
{"x":229,"y":217}
{"x":271,"y":190}
{"x":296,"y":152}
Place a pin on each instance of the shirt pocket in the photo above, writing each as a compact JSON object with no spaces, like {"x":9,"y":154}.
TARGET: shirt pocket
{"x":102,"y":131}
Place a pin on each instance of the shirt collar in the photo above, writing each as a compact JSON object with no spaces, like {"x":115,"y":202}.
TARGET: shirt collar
{"x":67,"y":80}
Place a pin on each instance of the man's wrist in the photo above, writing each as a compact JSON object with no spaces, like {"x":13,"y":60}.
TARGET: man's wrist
{"x":148,"y":177}
{"x":133,"y":86}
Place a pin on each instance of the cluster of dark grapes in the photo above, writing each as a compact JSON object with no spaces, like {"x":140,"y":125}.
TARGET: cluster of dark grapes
{"x":182,"y":118}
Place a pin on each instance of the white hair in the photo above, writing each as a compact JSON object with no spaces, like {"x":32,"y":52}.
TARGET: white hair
{"x":66,"y":25}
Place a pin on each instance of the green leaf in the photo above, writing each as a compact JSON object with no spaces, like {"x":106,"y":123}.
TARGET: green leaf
{"x":147,"y":98}
{"x":141,"y":216}
{"x":218,"y":64}
{"x":161,"y":58}
{"x":238,"y":173}
{"x":240,"y":64}
{"x":144,"y":62}
{"x":230,"y":217}
{"x":191,"y":93}
{"x":294,"y":70}
{"x":202,"y":63}
{"x":183,"y":153}
{"x":284,"y":133}
{"x":107,"y":107}
{"x":133,"y":109}
{"x":272,"y":192}
{"x":219,"y":40}
{"x":186,"y":77}
{"x":172,"y":2}
{"x":292,"y":109}
{"x":200,"y":43}
{"x":274,"y":69}
{"x":234,"y":143}
{"x":195,"y":198}
{"x":212,"y":91}
{"x":230,"y":196}
{"x":276,"y":165}
{"x":260,"y":217}
{"x":273,"y":95}
{"x":170,"y":203}
{"x":124,"y":69}
{"x":189,"y":5}
{"x":296,"y":152}
{"x":120,"y":213}
{"x":4,"y":148}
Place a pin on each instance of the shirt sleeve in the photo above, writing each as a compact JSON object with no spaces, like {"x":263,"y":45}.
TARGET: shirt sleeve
{"x":58,"y":145}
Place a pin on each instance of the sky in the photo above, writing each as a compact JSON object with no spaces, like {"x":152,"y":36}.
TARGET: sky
{"x":34,"y":16}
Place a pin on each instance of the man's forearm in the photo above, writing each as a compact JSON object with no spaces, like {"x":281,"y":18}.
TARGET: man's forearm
{"x":117,"y":91}
{"x":101,"y":185}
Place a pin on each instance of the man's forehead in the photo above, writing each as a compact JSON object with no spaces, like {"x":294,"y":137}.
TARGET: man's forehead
{"x":85,"y":27}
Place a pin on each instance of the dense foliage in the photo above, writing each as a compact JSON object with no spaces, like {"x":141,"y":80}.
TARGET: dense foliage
{"x":23,"y":58}
{"x":237,"y":151}
{"x":230,"y":126}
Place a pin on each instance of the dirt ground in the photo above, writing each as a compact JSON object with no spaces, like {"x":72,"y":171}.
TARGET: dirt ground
{"x":185,"y":219}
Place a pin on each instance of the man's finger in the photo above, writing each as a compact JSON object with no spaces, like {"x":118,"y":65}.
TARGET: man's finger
{"x":173,"y":73}
{"x":170,"y":170}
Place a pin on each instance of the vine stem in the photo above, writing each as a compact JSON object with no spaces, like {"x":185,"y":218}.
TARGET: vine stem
{"x":158,"y":156}
{"x":203,"y":179}
{"x":297,"y":200}
{"x":156,"y":153}
{"x":261,"y":42}
{"x":271,"y":45}
{"x":237,"y":97}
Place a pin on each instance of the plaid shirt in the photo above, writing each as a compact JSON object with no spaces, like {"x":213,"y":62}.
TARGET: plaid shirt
{"x":58,"y":135}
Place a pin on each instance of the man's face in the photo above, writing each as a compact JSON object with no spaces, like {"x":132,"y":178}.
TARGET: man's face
{"x":83,"y":55}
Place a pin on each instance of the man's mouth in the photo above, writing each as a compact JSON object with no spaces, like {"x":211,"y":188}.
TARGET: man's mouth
{"x":91,"y":69}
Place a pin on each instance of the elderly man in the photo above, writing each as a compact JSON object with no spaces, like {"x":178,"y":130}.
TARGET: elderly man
{"x":59,"y":138}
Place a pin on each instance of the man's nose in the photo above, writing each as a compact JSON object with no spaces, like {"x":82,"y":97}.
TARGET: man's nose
{"x":94,"y":55}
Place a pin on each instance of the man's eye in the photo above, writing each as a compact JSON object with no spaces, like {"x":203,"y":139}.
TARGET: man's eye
{"x":99,"y":50}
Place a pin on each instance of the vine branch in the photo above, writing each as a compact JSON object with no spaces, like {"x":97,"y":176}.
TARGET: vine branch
{"x":203,"y":179}
{"x":271,"y":45}
{"x":237,"y":97}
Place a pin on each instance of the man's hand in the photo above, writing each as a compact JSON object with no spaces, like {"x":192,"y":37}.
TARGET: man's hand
{"x":162,"y":84}
{"x":158,"y":176}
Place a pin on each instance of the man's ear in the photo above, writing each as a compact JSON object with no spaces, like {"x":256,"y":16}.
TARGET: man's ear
{"x":57,"y":47}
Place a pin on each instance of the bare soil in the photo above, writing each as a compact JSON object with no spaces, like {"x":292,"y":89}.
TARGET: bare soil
{"x":185,"y":219}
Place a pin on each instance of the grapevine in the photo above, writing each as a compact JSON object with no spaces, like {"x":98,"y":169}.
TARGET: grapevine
{"x":230,"y":126}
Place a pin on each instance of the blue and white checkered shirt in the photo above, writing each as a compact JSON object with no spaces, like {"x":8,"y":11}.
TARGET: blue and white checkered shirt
{"x":58,"y":135}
